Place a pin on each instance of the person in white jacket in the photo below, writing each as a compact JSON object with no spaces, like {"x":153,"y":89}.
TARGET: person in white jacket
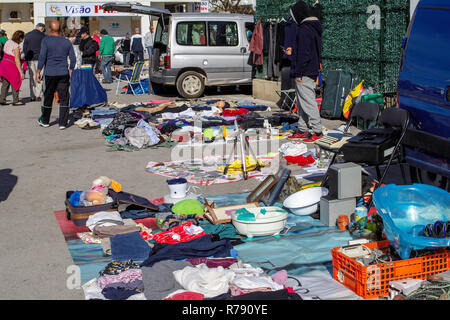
{"x":148,"y":42}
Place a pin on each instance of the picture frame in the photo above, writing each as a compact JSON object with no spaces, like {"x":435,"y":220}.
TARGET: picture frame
{"x":264,"y":187}
{"x":222,"y":215}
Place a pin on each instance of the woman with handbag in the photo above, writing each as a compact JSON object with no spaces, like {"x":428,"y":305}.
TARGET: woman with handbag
{"x":11,"y":71}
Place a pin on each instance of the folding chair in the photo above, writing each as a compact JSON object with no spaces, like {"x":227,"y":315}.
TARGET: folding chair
{"x":287,"y":96}
{"x":131,"y":77}
{"x":366,"y":111}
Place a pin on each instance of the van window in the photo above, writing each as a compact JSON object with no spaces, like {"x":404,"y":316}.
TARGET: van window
{"x":191,"y":33}
{"x":429,"y":43}
{"x":162,"y":36}
{"x":223,"y":34}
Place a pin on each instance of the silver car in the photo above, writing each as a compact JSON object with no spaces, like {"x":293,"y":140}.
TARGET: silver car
{"x":194,"y":50}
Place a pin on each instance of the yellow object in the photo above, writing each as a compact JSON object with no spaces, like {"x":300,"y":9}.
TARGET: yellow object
{"x":310,"y":185}
{"x":348,"y":105}
{"x":236,"y":166}
{"x":117,"y":187}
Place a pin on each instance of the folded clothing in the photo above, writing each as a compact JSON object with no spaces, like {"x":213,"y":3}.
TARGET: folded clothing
{"x":200,"y":247}
{"x":238,"y":112}
{"x":159,"y":280}
{"x":127,"y":276}
{"x":118,"y":293}
{"x":110,"y":231}
{"x":129,"y":246}
{"x":104,"y":218}
{"x":210,"y":282}
{"x":116,"y":267}
{"x":186,"y":295}
{"x":214,"y":262}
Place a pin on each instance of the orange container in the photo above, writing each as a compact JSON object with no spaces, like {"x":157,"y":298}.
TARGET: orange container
{"x":372,"y":281}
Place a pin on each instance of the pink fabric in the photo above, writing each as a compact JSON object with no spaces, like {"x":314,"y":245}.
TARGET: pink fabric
{"x":97,"y":39}
{"x":280,"y":277}
{"x":237,"y":291}
{"x":159,"y":101}
{"x":9,"y":71}
{"x":187,"y":296}
{"x":124,"y":277}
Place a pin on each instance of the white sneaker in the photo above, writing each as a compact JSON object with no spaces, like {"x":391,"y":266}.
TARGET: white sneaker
{"x":42,"y":124}
{"x":62,"y":127}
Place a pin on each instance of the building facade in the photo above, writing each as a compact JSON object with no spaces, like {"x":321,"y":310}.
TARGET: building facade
{"x":24,"y":15}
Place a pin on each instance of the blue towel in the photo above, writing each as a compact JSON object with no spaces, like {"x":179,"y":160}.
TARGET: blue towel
{"x":129,"y":246}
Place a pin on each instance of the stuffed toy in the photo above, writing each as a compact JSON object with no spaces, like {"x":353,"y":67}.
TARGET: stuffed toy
{"x":99,"y":189}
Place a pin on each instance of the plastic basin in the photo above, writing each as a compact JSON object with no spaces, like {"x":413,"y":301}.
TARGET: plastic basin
{"x":406,"y":210}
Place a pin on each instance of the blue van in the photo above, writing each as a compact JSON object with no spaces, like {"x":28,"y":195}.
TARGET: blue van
{"x":424,"y":90}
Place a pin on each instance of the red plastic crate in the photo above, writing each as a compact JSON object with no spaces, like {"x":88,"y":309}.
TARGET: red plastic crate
{"x":373,"y":281}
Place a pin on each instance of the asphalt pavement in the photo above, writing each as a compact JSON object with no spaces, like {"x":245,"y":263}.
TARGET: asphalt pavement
{"x":38,"y":165}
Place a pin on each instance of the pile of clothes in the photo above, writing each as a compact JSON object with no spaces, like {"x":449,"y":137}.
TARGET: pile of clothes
{"x":164,"y":123}
{"x":191,"y":260}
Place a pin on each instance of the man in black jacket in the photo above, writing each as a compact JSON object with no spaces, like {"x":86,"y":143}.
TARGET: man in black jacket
{"x":31,"y":49}
{"x":306,"y":60}
{"x":88,"y":47}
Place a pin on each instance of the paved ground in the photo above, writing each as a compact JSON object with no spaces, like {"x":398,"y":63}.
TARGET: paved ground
{"x":38,"y":165}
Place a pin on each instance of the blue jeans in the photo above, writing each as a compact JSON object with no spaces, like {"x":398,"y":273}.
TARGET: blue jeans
{"x":138,"y":56}
{"x":106,"y":67}
{"x":150,"y":52}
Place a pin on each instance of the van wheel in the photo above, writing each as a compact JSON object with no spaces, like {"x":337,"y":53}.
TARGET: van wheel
{"x":190,"y":85}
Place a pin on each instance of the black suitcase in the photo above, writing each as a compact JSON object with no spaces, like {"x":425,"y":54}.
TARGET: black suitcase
{"x":336,"y":89}
{"x":371,"y":146}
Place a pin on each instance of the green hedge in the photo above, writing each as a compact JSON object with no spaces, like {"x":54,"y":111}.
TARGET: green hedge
{"x":374,"y":54}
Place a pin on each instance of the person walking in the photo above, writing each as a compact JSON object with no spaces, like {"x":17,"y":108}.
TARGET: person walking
{"x":137,"y":46}
{"x":306,"y":53}
{"x":148,"y":42}
{"x":97,"y":39}
{"x":11,"y":71}
{"x":88,"y":48}
{"x":31,"y":49}
{"x":106,"y":55}
{"x":55,"y":53}
{"x":125,"y":46}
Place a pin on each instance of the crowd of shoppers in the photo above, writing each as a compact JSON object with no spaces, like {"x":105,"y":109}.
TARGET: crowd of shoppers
{"x":50,"y":56}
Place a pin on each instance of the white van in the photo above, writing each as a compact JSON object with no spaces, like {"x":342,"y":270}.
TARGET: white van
{"x":194,"y":50}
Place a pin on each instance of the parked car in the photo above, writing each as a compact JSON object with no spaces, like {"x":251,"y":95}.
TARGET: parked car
{"x":194,"y":50}
{"x":424,"y":90}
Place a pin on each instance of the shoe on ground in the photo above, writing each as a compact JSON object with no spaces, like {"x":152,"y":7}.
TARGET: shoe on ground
{"x":313,"y":137}
{"x":42,"y":124}
{"x":62,"y":127}
{"x":299,"y":135}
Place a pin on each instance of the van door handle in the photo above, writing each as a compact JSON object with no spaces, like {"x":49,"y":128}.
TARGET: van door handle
{"x":243,"y":50}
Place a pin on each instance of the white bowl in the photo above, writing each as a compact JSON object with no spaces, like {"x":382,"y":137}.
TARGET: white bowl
{"x":305,"y":202}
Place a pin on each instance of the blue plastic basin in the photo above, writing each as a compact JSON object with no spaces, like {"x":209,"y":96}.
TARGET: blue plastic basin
{"x":406,"y":210}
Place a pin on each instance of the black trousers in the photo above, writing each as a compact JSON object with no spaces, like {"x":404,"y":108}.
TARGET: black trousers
{"x":61,"y":85}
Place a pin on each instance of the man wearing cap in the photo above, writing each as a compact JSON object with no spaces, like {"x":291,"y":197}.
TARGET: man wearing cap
{"x":31,"y":49}
{"x":106,"y":55}
{"x":88,"y":47}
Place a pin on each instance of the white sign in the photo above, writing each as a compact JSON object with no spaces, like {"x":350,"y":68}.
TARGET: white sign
{"x":200,"y":6}
{"x":79,"y":9}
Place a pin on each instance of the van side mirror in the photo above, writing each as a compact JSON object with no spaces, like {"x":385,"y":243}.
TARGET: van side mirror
{"x":404,"y":43}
